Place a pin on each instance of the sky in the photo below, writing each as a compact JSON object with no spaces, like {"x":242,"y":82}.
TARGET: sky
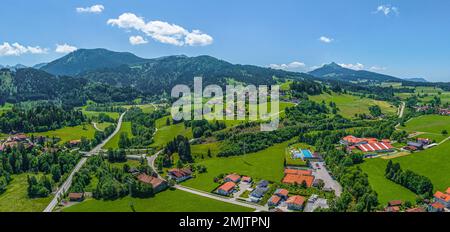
{"x":403,"y":38}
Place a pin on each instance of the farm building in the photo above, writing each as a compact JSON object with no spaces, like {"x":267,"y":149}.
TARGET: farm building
{"x":157,"y":184}
{"x":375,"y":146}
{"x":352,"y":140}
{"x":226,"y":189}
{"x":180,"y":175}
{"x":76,"y":196}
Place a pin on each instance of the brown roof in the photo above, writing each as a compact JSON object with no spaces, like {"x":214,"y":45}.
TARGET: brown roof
{"x":233,"y":177}
{"x":395,"y":203}
{"x":443,"y":196}
{"x":282,"y":192}
{"x":275,"y":199}
{"x":416,"y":210}
{"x":437,"y":205}
{"x":75,"y":195}
{"x":298,"y":179}
{"x":154,"y":181}
{"x":297,"y":172}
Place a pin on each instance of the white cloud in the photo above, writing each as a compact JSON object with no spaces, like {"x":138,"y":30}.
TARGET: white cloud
{"x":290,"y":66}
{"x":65,"y":48}
{"x":96,"y":9}
{"x":163,"y":32}
{"x":387,"y":10}
{"x":326,"y":39}
{"x":357,"y":66}
{"x":17,"y":49}
{"x":377,"y":68}
{"x":136,"y":40}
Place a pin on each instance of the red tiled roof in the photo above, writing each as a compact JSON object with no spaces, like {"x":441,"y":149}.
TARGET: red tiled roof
{"x":75,"y":195}
{"x":275,"y":199}
{"x":246,"y":178}
{"x":395,"y":203}
{"x":297,"y":172}
{"x":227,"y":187}
{"x":375,"y":146}
{"x":443,"y":196}
{"x":416,"y":210}
{"x":233,"y":177}
{"x":282,"y":192}
{"x":297,"y":200}
{"x":153,"y":181}
{"x":447,"y":191}
{"x":180,"y":172}
{"x":298,"y":179}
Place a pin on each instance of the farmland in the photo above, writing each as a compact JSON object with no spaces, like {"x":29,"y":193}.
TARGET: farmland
{"x":266,"y":164}
{"x":16,"y":199}
{"x":167,"y":201}
{"x":70,"y":133}
{"x":433,"y":163}
{"x":433,"y":124}
{"x":350,"y":105}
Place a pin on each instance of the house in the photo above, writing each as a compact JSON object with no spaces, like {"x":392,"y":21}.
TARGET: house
{"x":19,"y":137}
{"x":233,"y":178}
{"x":295,"y":202}
{"x":424,"y":141}
{"x":282,"y":193}
{"x":392,"y":209}
{"x":74,"y":143}
{"x":443,"y":198}
{"x":298,"y":179}
{"x":263,"y":184}
{"x":76,"y":196}
{"x":246,"y":179}
{"x":226,"y":189}
{"x":444,"y":112}
{"x":180,"y":175}
{"x":410,"y":148}
{"x":274,"y":201}
{"x":436,"y":207}
{"x":157,"y":184}
{"x":259,"y":192}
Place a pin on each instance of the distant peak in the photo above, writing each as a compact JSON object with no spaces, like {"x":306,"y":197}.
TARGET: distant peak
{"x":333,"y":64}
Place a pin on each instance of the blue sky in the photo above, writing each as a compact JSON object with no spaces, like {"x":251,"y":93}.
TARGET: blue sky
{"x":399,"y":37}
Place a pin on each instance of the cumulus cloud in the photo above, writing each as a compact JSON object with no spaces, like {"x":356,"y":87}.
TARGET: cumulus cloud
{"x":65,"y":48}
{"x":17,"y":49}
{"x":325,"y":39}
{"x":387,"y":10}
{"x":357,"y":66}
{"x":290,"y":66}
{"x":136,"y":40}
{"x":163,"y":32}
{"x":96,"y":9}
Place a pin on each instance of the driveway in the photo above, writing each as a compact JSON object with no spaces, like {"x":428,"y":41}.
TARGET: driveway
{"x":322,"y":173}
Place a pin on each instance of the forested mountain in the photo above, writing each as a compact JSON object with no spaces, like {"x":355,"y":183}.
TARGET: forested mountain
{"x":31,"y":84}
{"x":416,"y":79}
{"x":158,"y":75}
{"x":84,"y":60}
{"x":337,"y":72}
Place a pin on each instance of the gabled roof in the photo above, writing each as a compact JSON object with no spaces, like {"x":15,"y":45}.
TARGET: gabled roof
{"x":282,"y":192}
{"x":443,"y":196}
{"x":233,"y":177}
{"x":297,"y":171}
{"x":395,"y":203}
{"x":437,"y":205}
{"x":296,"y":200}
{"x":298,"y":179}
{"x":275,"y":199}
{"x":227,"y":187}
{"x":153,"y":181}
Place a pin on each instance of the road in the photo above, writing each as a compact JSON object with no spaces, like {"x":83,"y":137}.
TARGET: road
{"x":402,"y":110}
{"x":66,"y":185}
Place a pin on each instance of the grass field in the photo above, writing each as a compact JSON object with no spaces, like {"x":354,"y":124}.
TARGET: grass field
{"x":200,"y":150}
{"x":70,"y":133}
{"x":297,"y":162}
{"x":15,"y":199}
{"x":102,"y":126}
{"x":168,"y":133}
{"x":350,"y":105}
{"x":114,"y":142}
{"x":266,"y":164}
{"x":433,"y":124}
{"x":146,"y":108}
{"x":92,"y":114}
{"x":426,"y":94}
{"x":433,"y":163}
{"x":167,"y":201}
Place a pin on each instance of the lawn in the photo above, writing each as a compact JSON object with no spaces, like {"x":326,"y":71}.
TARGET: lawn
{"x":102,"y":126}
{"x":146,"y":108}
{"x":114,"y":142}
{"x":200,"y":150}
{"x":428,"y":123}
{"x":167,"y":201}
{"x":350,"y":105}
{"x":266,"y":164}
{"x":15,"y":199}
{"x":433,"y":163}
{"x":70,"y":133}
{"x":93,"y":114}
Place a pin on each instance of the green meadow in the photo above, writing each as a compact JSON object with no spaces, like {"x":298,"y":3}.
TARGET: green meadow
{"x":70,"y":133}
{"x":433,"y":124}
{"x":167,"y":201}
{"x":433,"y":163}
{"x":350,"y":105}
{"x":266,"y":164}
{"x":114,"y":142}
{"x":16,"y":199}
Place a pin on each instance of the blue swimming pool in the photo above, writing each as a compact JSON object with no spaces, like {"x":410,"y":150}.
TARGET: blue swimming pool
{"x":307,"y":154}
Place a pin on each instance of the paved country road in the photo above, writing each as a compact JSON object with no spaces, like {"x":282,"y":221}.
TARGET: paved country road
{"x":66,"y":185}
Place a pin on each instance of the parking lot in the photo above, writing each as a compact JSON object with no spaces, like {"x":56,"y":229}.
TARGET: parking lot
{"x":320,"y":172}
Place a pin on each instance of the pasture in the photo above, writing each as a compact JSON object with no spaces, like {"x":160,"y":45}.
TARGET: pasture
{"x":69,"y":133}
{"x":114,"y":142}
{"x":433,"y":124}
{"x":167,"y":201}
